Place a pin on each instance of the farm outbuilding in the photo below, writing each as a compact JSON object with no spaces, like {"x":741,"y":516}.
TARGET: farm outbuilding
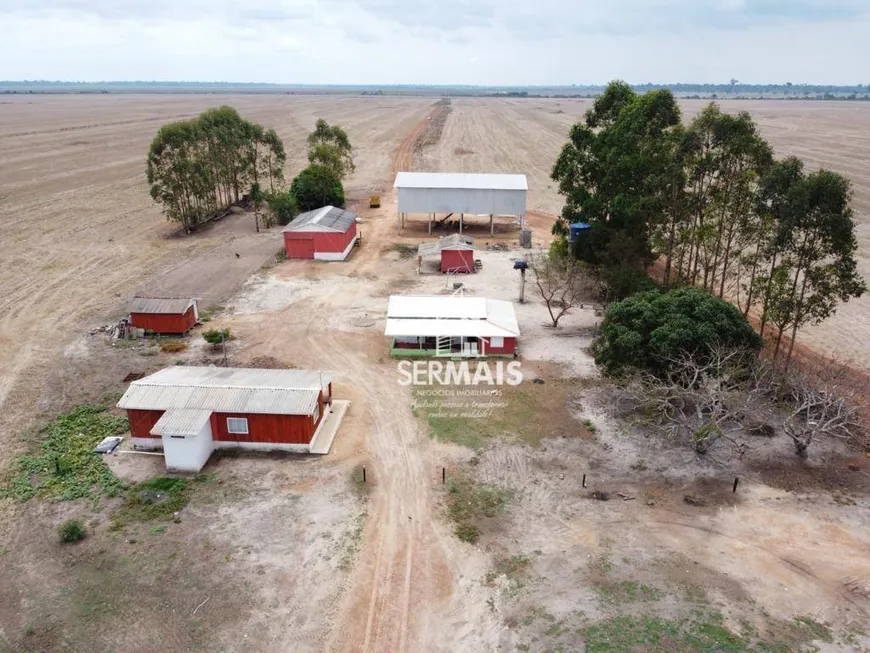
{"x":451,"y":325}
{"x":164,"y":315}
{"x":325,"y":234}
{"x":188,"y":412}
{"x":456,"y":253}
{"x":451,"y":194}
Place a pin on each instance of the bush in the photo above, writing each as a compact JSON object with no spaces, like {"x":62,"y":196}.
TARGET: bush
{"x":650,"y":329}
{"x":72,"y":530}
{"x":173,"y":346}
{"x":283,"y":206}
{"x":216,"y":337}
{"x":468,"y":533}
{"x":317,"y":186}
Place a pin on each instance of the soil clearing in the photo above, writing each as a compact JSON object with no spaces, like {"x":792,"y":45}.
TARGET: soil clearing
{"x":292,"y":553}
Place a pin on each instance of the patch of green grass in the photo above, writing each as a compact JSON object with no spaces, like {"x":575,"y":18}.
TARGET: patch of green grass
{"x":404,"y":250}
{"x":469,"y":503}
{"x":159,"y":498}
{"x":65,"y":466}
{"x":208,"y":314}
{"x":590,"y":426}
{"x":512,"y":567}
{"x":72,"y":530}
{"x":627,"y":591}
{"x":651,"y":634}
{"x":157,"y":530}
{"x":281,"y":255}
{"x":814,"y":629}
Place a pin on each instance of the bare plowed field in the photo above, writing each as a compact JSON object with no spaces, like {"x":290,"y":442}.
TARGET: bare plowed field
{"x":79,"y":233}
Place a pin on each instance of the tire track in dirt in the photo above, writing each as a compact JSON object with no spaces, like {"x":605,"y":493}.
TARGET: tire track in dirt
{"x":403,"y":563}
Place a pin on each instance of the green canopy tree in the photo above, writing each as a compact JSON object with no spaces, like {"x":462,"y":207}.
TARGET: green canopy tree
{"x":198,"y":168}
{"x":329,"y":147}
{"x":615,"y":173}
{"x":317,"y":186}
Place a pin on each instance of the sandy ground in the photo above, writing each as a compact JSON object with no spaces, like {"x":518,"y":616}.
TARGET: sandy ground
{"x":386,"y":573}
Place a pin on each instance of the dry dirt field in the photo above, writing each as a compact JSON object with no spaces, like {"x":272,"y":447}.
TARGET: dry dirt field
{"x":277,"y":554}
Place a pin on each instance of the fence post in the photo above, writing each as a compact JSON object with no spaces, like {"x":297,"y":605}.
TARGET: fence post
{"x":584,"y":480}
{"x":443,"y":475}
{"x":734,"y":489}
{"x":364,"y":474}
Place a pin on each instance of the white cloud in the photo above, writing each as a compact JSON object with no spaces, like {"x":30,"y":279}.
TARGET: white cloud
{"x":444,"y":41}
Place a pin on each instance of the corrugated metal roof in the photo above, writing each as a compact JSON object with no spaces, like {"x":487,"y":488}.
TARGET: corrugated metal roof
{"x":232,"y":390}
{"x":475,"y":181}
{"x":451,"y":242}
{"x":163,"y":305}
{"x":327,"y":218}
{"x":181,"y":421}
{"x":469,"y":316}
{"x":444,"y":307}
{"x":452,"y":328}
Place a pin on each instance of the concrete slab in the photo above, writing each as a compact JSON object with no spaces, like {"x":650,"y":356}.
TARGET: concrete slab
{"x":322,"y":441}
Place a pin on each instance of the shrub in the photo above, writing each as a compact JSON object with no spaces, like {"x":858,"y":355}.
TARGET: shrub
{"x":216,"y":337}
{"x":650,"y":329}
{"x":173,"y":346}
{"x":72,"y":530}
{"x":317,"y":186}
{"x":467,"y":532}
{"x":283,"y":206}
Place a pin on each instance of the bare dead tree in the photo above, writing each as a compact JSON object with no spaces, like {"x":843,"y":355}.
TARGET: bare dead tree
{"x":562,"y":281}
{"x":699,"y":400}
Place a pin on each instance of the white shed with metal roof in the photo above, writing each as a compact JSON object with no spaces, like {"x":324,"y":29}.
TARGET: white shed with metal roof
{"x":461,"y":194}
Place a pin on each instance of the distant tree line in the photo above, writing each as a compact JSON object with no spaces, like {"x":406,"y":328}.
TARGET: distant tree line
{"x":199,"y":168}
{"x":712,"y":204}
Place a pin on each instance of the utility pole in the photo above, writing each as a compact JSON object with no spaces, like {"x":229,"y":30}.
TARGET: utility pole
{"x":224,"y":342}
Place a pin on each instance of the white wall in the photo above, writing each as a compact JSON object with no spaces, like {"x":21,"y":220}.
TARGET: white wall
{"x":190,"y":453}
{"x":462,"y":200}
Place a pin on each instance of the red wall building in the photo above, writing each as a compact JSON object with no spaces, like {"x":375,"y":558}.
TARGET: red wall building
{"x":326,"y":234}
{"x":163,"y":315}
{"x":457,"y":260}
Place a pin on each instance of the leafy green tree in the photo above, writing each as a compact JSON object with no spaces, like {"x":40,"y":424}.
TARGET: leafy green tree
{"x":650,"y":330}
{"x":317,"y":186}
{"x":329,"y":146}
{"x":614,"y":173}
{"x":198,"y":168}
{"x":283,"y":206}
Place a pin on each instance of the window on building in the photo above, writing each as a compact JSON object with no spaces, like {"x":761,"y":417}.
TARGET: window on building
{"x":496,"y":342}
{"x":237,"y":425}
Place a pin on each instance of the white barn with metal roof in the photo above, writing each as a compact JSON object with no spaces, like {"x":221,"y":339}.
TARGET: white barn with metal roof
{"x":451,"y":325}
{"x":452,"y":193}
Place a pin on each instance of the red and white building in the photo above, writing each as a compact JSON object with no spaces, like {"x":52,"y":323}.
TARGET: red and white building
{"x":451,"y":325}
{"x":188,"y":412}
{"x":164,"y":315}
{"x":456,"y":252}
{"x":326,"y":234}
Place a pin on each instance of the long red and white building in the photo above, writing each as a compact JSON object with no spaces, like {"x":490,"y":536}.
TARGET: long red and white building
{"x":188,"y":412}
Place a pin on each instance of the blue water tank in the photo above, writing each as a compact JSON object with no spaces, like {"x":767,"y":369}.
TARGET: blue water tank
{"x":575,"y":229}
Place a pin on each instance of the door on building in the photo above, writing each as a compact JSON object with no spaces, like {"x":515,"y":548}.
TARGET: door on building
{"x":304,"y":248}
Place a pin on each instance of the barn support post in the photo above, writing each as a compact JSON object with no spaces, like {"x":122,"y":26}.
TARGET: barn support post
{"x":461,"y":216}
{"x":491,"y":232}
{"x":430,"y":222}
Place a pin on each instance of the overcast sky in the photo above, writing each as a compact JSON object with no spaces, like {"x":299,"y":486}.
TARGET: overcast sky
{"x":437,"y":41}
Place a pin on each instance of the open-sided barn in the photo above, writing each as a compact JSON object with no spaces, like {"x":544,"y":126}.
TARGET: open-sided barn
{"x":461,"y":194}
{"x":456,"y":252}
{"x":164,"y":315}
{"x":451,"y":326}
{"x":326,"y":234}
{"x":190,"y":411}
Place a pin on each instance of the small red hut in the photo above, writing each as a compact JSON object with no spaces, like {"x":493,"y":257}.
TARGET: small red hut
{"x":326,"y":234}
{"x":164,"y":315}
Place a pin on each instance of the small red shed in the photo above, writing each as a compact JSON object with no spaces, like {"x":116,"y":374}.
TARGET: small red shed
{"x":164,"y":315}
{"x":188,"y":412}
{"x":326,"y":234}
{"x":456,"y":251}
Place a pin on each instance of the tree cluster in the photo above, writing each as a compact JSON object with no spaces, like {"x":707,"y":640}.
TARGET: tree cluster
{"x":330,"y":160}
{"x":710,"y":201}
{"x":198,"y":168}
